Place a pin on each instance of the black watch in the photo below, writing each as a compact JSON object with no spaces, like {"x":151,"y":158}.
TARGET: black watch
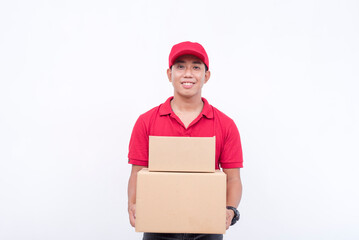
{"x":236,"y":214}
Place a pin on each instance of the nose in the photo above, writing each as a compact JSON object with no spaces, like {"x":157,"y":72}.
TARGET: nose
{"x":188,"y":72}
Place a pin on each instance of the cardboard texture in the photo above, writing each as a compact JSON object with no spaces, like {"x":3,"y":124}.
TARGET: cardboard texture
{"x":182,"y":154}
{"x":177,"y":202}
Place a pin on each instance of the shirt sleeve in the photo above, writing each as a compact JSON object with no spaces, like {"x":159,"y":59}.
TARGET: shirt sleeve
{"x":231,"y":155}
{"x":138,"y":147}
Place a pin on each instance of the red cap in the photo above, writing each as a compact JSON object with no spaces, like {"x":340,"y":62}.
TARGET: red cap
{"x":191,"y":48}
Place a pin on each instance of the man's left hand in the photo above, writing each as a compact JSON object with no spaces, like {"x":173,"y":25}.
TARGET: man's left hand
{"x":229,"y":217}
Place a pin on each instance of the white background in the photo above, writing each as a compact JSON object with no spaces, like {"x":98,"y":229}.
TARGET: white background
{"x":75,"y":75}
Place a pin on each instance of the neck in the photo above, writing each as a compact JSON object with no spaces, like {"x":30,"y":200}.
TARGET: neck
{"x":181,"y":104}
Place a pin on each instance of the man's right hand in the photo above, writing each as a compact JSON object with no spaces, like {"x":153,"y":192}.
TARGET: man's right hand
{"x":132,"y":193}
{"x":132,"y":214}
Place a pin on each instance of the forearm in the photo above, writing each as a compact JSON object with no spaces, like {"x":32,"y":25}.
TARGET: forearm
{"x":132,"y":182}
{"x":234,"y":187}
{"x":234,"y":192}
{"x":131,"y":190}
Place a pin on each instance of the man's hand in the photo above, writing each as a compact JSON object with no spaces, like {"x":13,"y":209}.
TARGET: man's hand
{"x":131,"y":191}
{"x":229,"y":217}
{"x":132,"y":214}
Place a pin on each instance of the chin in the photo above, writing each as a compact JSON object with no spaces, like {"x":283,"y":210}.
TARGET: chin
{"x":184,"y":95}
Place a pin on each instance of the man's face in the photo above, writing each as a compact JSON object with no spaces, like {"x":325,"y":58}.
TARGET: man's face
{"x":188,"y":75}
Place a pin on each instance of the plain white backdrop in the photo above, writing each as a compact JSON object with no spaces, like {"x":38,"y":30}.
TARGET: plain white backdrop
{"x":75,"y":75}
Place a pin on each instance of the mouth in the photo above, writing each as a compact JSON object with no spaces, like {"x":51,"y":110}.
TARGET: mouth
{"x":187,"y":83}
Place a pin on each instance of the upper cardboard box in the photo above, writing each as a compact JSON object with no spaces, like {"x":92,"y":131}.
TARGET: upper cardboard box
{"x":182,"y":154}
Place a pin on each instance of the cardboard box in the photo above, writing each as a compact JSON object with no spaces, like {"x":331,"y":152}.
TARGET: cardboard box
{"x":182,"y":154}
{"x":176,"y":202}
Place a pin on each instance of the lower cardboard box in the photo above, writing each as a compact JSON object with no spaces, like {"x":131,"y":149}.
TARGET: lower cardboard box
{"x":181,"y":202}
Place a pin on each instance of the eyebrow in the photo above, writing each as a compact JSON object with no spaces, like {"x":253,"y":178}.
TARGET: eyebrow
{"x":181,"y":61}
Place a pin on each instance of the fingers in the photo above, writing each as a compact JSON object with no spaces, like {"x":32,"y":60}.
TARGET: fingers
{"x":228,"y":223}
{"x":132,"y":220}
{"x":132,"y":215}
{"x":229,"y":216}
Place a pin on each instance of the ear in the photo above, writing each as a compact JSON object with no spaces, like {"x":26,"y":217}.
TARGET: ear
{"x":169,"y":74}
{"x":207,"y":75}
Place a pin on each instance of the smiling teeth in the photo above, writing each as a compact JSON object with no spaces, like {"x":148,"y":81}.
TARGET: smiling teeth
{"x":187,"y":83}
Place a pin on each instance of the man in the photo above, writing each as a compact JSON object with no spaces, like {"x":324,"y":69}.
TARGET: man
{"x":188,"y":114}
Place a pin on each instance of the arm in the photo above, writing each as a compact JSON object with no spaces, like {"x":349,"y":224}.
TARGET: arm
{"x":234,"y":191}
{"x":131,"y":192}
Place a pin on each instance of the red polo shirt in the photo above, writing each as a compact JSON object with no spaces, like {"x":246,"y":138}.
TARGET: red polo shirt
{"x":162,"y":121}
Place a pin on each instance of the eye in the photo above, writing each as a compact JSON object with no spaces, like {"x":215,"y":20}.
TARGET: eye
{"x":180,"y":66}
{"x":196,"y":68}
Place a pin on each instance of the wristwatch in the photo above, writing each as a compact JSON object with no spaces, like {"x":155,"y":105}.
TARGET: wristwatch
{"x":236,"y":214}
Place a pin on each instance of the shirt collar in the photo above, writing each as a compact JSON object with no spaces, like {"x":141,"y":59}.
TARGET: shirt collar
{"x":165,"y":108}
